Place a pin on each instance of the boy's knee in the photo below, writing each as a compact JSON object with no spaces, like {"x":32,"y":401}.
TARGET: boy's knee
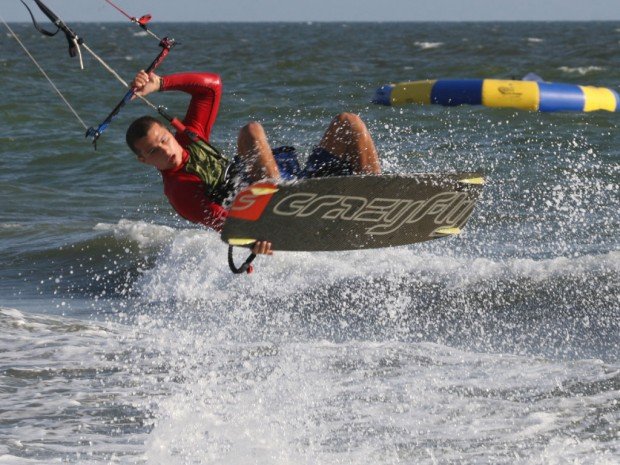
{"x":253,"y":130}
{"x":351,"y":120}
{"x":346,"y":116}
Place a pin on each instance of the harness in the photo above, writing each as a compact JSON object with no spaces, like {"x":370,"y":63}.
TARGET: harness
{"x":213,"y":169}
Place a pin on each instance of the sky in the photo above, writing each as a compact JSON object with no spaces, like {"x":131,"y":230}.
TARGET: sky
{"x":325,"y":10}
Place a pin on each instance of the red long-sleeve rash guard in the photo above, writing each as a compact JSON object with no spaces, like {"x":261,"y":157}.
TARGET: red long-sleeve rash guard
{"x":185,"y":191}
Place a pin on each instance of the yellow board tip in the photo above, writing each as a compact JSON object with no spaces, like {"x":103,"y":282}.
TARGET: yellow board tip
{"x":241,"y":241}
{"x":477,"y":181}
{"x":448,"y":231}
{"x":263,"y":190}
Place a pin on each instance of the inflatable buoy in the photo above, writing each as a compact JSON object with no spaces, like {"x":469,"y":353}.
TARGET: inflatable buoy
{"x":522,"y":95}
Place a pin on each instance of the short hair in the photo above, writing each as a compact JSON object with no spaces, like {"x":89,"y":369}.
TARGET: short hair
{"x":138,"y":129}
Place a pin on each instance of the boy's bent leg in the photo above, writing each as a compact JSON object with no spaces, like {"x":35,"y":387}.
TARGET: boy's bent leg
{"x":253,"y":148}
{"x":348,"y":138}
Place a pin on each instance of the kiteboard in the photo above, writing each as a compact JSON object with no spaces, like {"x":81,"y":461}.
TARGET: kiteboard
{"x":352,"y":212}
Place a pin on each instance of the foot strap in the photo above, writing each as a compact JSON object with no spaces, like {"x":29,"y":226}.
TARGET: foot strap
{"x":246,"y":267}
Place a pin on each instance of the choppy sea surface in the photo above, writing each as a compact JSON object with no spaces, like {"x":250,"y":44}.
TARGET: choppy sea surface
{"x":125,"y":339}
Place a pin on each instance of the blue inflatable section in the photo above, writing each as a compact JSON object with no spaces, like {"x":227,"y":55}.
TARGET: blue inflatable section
{"x":383,"y":95}
{"x":452,"y":92}
{"x":560,"y":97}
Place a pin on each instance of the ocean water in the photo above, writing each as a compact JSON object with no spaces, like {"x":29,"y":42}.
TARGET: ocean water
{"x":125,"y":339}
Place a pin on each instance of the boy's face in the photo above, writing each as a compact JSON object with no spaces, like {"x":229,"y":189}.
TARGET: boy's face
{"x":159,"y":148}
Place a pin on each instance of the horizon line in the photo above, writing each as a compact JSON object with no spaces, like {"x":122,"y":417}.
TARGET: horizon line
{"x":306,"y":21}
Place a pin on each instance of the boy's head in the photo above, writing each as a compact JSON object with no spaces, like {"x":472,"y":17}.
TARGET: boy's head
{"x":154,"y":144}
{"x":138,"y":129}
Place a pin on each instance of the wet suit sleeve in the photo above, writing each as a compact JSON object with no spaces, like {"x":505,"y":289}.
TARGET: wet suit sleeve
{"x":188,"y":199}
{"x":206,"y":92}
{"x":186,"y":192}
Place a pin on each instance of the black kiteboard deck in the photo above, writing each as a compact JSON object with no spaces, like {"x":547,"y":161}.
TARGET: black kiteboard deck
{"x":352,"y":212}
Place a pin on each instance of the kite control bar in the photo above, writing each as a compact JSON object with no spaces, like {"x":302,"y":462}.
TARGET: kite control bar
{"x":166,"y":44}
